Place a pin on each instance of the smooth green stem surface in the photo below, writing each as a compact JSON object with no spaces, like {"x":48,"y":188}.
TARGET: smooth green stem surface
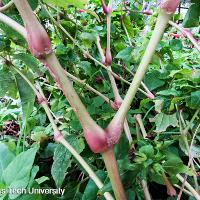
{"x":162,"y":21}
{"x":113,"y":172}
{"x":13,"y":24}
{"x":65,"y":84}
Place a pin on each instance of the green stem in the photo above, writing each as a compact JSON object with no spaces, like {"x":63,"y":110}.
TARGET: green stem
{"x":13,"y":24}
{"x":162,"y":21}
{"x":185,"y":131}
{"x":82,"y":82}
{"x":189,"y":36}
{"x":113,"y":172}
{"x":39,"y":93}
{"x":188,"y":186}
{"x":138,"y":117}
{"x":7,"y":6}
{"x":63,"y":82}
{"x":147,"y":195}
{"x":89,"y":55}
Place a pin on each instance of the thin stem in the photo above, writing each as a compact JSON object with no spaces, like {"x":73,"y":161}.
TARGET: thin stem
{"x":82,"y":82}
{"x":87,"y":168}
{"x":185,"y":131}
{"x":189,"y":187}
{"x":162,"y":21}
{"x":188,"y":35}
{"x":113,"y":172}
{"x":138,"y":117}
{"x":127,"y":131}
{"x":130,"y":43}
{"x":129,"y":39}
{"x":68,"y":90}
{"x":145,"y":190}
{"x":184,"y":190}
{"x":88,"y":54}
{"x":7,"y":6}
{"x":13,"y":24}
{"x":44,"y":104}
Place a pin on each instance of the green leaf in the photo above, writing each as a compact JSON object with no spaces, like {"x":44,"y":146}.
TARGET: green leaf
{"x":194,"y":100}
{"x":126,"y":54}
{"x":152,"y":80}
{"x":28,"y":60}
{"x":62,"y":159}
{"x":169,"y":92}
{"x":64,"y":3}
{"x":174,"y":165}
{"x":192,"y":17}
{"x":129,"y":26}
{"x":163,"y":121}
{"x":33,"y":4}
{"x":18,"y":172}
{"x":4,"y":160}
{"x":27,"y":96}
{"x":91,"y":189}
{"x":86,"y":67}
{"x":42,"y":179}
{"x":7,"y":83}
{"x":147,"y":150}
{"x":176,"y":45}
{"x":60,"y":165}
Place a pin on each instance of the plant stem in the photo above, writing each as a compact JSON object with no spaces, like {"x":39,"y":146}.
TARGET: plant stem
{"x":125,"y":29}
{"x":145,"y":190}
{"x":127,"y":131}
{"x":89,"y":55}
{"x":5,"y":7}
{"x":138,"y":118}
{"x":13,"y":24}
{"x":162,"y":21}
{"x":44,"y":104}
{"x":189,"y":187}
{"x":185,"y":131}
{"x":113,"y":172}
{"x":117,"y":96}
{"x":130,"y":43}
{"x":86,"y":167}
{"x":184,"y":190}
{"x":82,"y":82}
{"x":68,"y":90}
{"x":188,"y":35}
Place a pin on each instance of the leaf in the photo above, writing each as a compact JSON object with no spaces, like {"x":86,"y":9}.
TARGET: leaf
{"x":152,"y":80}
{"x":62,"y":159}
{"x":42,"y":179}
{"x":7,"y":83}
{"x":169,"y":92}
{"x":4,"y":160}
{"x":126,"y":54}
{"x":174,"y":165}
{"x":91,"y":188}
{"x":60,"y":165}
{"x":27,"y":96}
{"x":18,"y":172}
{"x":163,"y":121}
{"x":194,"y":100}
{"x":128,"y":25}
{"x":192,"y":17}
{"x":64,"y":3}
{"x":86,"y":67}
{"x":147,"y":150}
{"x":28,"y":60}
{"x":176,"y":45}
